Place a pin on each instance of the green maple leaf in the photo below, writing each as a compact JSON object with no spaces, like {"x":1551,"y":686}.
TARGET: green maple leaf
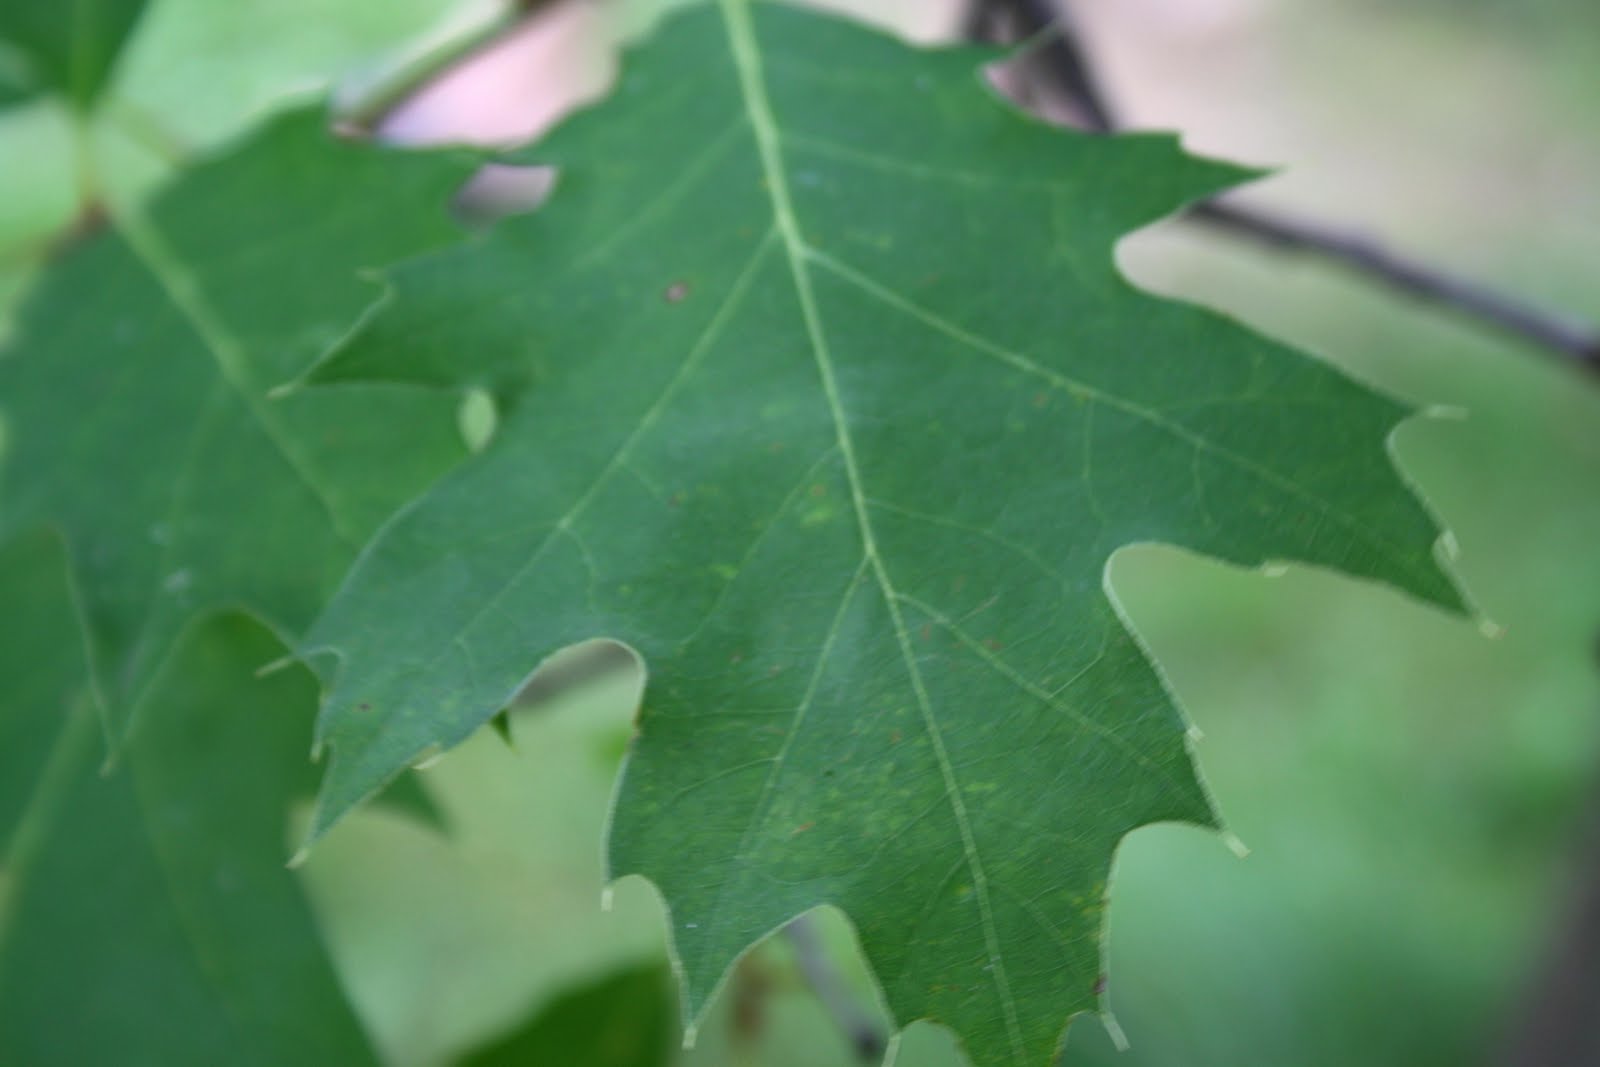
{"x":822,"y":392}
{"x":148,"y":917}
{"x":68,"y":47}
{"x":135,"y":394}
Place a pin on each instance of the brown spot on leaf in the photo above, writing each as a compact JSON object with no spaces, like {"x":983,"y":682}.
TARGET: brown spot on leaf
{"x":676,"y":292}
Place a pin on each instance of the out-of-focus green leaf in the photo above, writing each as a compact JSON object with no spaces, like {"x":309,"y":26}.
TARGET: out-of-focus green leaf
{"x":627,"y":1020}
{"x":135,"y":392}
{"x":71,"y":46}
{"x":149,"y":917}
{"x":16,"y":82}
{"x":41,"y":670}
{"x":205,"y":69}
{"x":445,"y":941}
{"x":823,"y":393}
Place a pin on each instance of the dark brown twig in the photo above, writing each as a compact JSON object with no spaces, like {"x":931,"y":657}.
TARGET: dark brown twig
{"x":1368,"y":257}
{"x":1059,"y":60}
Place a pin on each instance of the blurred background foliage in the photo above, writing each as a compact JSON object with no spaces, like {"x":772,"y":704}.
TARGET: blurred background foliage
{"x":1415,"y":793}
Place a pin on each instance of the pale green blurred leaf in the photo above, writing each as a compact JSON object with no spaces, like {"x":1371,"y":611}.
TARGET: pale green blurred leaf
{"x":448,"y":939}
{"x":206,"y":69}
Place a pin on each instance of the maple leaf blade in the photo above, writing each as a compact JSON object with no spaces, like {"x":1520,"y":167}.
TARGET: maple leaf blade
{"x":837,"y":425}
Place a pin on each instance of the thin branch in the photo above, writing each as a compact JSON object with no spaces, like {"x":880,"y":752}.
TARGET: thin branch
{"x":833,"y":990}
{"x":1055,"y":49}
{"x":367,"y":114}
{"x":1363,"y":255}
{"x":1059,"y":59}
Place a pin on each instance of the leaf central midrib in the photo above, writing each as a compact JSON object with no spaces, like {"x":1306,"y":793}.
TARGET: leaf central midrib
{"x":752,"y":86}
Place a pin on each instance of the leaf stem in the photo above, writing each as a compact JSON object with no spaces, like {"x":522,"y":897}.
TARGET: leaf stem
{"x":86,"y":170}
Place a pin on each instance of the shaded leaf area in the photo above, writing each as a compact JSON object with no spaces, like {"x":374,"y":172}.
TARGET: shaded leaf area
{"x":626,"y":1020}
{"x":16,"y":82}
{"x":822,"y":392}
{"x":148,"y":917}
{"x":67,"y":47}
{"x":135,"y":394}
{"x":42,"y":664}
